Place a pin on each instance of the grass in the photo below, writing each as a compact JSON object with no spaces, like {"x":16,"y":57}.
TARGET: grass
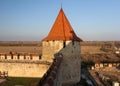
{"x":14,"y":81}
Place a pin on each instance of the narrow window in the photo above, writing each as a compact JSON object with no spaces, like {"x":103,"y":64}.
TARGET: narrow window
{"x":40,"y":57}
{"x":18,"y":56}
{"x":5,"y":57}
{"x":24,"y":57}
{"x":64,"y":44}
{"x":73,"y":42}
{"x":12,"y":57}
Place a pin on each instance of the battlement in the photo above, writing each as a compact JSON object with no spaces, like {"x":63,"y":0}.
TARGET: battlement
{"x":104,"y":65}
{"x":24,"y":68}
{"x":34,"y":57}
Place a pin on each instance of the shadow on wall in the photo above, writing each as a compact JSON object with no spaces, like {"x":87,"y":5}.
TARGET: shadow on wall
{"x":70,"y":51}
{"x":51,"y":77}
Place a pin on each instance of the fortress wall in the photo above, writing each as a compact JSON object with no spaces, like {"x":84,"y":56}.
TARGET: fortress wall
{"x":28,"y":57}
{"x":8,"y":56}
{"x":15,"y":56}
{"x":21,"y":56}
{"x":2,"y":56}
{"x":34,"y":57}
{"x":17,"y":69}
{"x":50,"y":48}
{"x":71,"y":58}
{"x":71,"y":61}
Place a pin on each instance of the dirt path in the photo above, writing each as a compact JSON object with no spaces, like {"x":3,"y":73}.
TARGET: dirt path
{"x":2,"y":80}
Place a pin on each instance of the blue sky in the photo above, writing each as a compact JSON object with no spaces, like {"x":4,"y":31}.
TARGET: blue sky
{"x":31,"y":20}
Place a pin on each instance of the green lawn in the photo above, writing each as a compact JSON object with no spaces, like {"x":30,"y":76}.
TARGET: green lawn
{"x":14,"y":81}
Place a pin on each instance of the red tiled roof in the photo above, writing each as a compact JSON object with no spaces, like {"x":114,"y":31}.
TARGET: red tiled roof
{"x":21,"y":54}
{"x":61,"y":29}
{"x":27,"y":54}
{"x":15,"y":54}
{"x":2,"y":54}
{"x":35,"y":54}
{"x":8,"y":54}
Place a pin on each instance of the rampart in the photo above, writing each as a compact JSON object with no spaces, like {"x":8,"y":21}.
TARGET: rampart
{"x":103,"y":65}
{"x":20,"y":65}
{"x":34,"y":57}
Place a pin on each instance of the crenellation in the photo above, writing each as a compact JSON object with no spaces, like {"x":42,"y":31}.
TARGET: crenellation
{"x":26,"y":69}
{"x":28,"y":57}
{"x":15,"y":57}
{"x":8,"y":56}
{"x":36,"y":57}
{"x":2,"y":56}
{"x":23,"y":57}
{"x":103,"y":65}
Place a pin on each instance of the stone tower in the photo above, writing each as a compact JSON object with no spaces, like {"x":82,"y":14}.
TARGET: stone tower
{"x":62,"y":39}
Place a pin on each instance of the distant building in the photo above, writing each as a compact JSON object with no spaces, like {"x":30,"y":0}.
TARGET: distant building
{"x":117,"y":50}
{"x":107,"y":47}
{"x":116,"y":83}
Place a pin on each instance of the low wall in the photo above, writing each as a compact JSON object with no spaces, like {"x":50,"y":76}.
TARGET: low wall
{"x":20,"y":57}
{"x":100,"y":65}
{"x":24,"y":69}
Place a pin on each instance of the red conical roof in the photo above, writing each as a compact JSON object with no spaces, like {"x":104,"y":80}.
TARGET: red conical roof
{"x":61,"y":29}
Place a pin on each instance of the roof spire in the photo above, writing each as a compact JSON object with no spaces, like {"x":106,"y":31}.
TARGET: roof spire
{"x":61,"y":29}
{"x":61,"y":5}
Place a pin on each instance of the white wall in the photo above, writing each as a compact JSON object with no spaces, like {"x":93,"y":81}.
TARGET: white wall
{"x":24,"y":69}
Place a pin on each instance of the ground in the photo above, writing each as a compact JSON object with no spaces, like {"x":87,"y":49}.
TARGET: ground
{"x":14,"y":81}
{"x":20,"y":49}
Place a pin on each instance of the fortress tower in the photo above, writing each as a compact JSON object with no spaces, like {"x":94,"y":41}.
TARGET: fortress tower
{"x":63,"y":40}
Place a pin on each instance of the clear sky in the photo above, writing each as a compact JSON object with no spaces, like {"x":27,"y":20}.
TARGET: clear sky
{"x":31,"y":20}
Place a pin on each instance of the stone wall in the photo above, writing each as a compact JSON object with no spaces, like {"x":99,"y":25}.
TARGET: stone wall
{"x":24,"y":69}
{"x":70,"y":50}
{"x":71,"y":63}
{"x":34,"y":57}
{"x":103,"y":65}
{"x":50,"y":48}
